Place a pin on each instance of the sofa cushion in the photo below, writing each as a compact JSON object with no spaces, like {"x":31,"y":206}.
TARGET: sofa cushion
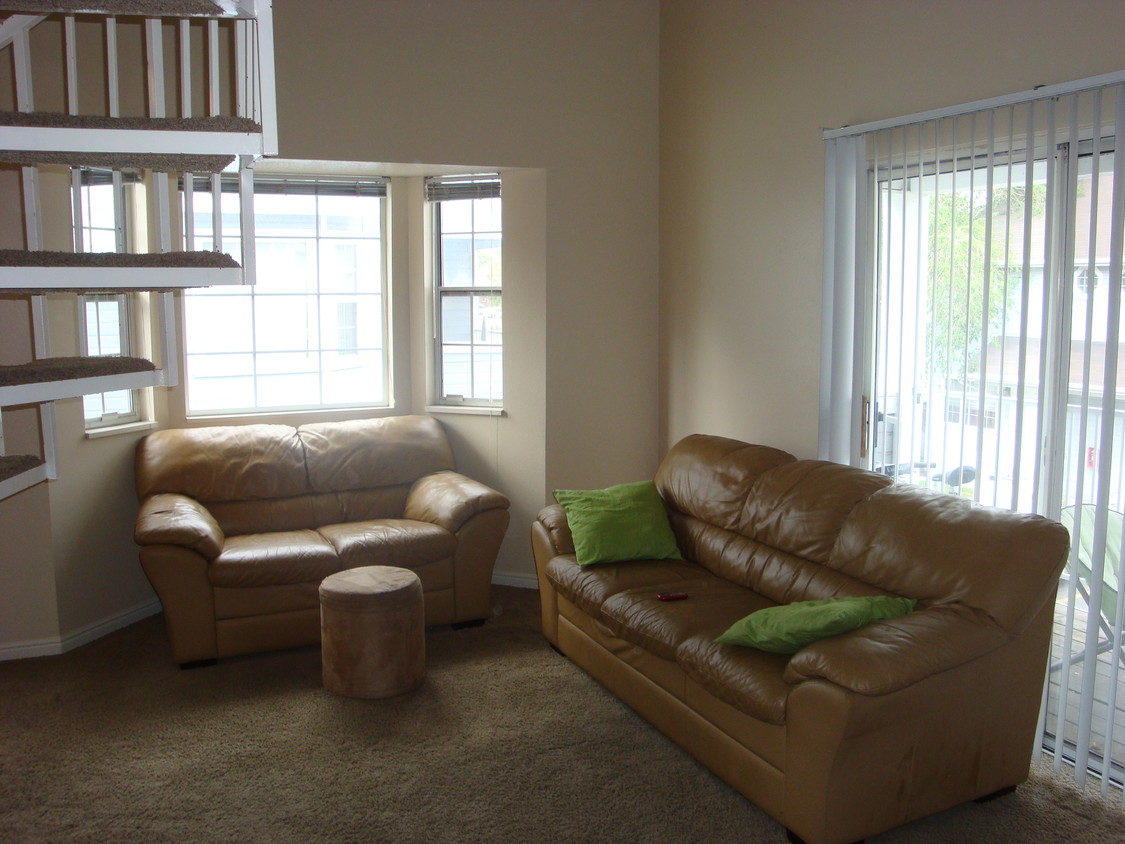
{"x":751,"y":681}
{"x":588,"y":587}
{"x":712,"y":604}
{"x":272,"y":559}
{"x":623,"y":522}
{"x":787,"y":628}
{"x":389,"y":542}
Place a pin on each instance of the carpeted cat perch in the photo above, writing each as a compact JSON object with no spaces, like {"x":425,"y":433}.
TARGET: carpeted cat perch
{"x":70,"y":368}
{"x":148,"y":8}
{"x":17,"y":464}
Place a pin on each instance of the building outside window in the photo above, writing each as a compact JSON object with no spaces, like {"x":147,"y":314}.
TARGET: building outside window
{"x":312,"y":331}
{"x":468,"y":290}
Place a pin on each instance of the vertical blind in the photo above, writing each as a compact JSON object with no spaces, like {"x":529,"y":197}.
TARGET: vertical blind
{"x":972,"y":343}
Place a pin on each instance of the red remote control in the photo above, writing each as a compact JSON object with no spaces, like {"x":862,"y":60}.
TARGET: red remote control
{"x":671,"y":596}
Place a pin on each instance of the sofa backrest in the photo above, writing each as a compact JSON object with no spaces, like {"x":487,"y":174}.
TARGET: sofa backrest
{"x":275,"y":477}
{"x":761,"y":518}
{"x":365,"y":453}
{"x":1003,"y":564}
{"x":796,"y":530}
{"x":222,"y":463}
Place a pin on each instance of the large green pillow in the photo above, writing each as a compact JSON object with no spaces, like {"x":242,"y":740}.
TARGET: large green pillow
{"x":787,"y":628}
{"x":623,"y":522}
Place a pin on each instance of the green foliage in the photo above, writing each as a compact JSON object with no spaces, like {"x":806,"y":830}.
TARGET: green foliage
{"x":968,"y":299}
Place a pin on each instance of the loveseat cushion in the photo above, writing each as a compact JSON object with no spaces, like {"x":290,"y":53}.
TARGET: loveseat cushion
{"x":588,"y":587}
{"x":273,"y":559}
{"x":363,"y":453}
{"x":389,"y":542}
{"x":712,"y":605}
{"x":750,"y":680}
{"x":226,"y":463}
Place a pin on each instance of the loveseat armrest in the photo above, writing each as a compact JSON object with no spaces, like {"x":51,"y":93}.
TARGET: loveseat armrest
{"x":449,"y":499}
{"x":890,"y":655}
{"x":173,"y":519}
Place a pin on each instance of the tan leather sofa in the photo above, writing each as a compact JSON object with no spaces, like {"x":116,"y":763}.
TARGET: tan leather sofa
{"x":852,"y":735}
{"x":238,"y":525}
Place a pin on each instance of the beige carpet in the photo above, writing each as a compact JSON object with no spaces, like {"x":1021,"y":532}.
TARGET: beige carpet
{"x":505,"y":742}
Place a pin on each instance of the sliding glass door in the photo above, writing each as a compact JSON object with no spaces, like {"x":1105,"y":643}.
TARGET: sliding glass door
{"x":994,"y":362}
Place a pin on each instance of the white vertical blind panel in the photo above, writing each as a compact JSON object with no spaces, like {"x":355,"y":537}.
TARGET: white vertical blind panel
{"x":69,"y":40}
{"x":113,"y":85}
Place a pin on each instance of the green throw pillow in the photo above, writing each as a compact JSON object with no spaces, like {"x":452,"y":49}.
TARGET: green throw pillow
{"x":624,"y":522}
{"x":787,"y":628}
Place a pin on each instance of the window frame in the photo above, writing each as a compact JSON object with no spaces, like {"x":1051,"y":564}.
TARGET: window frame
{"x":317,"y":185}
{"x":125,"y":235}
{"x":465,"y":188}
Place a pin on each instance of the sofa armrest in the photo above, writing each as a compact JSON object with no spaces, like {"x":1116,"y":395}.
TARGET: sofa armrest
{"x":174,"y":519}
{"x":553,"y":520}
{"x":888,"y":656}
{"x":449,"y":499}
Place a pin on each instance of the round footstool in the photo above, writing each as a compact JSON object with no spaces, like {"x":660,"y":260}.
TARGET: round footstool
{"x":372,"y":632}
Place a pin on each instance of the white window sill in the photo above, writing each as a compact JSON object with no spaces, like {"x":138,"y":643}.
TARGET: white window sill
{"x":467,"y":409}
{"x":114,"y":430}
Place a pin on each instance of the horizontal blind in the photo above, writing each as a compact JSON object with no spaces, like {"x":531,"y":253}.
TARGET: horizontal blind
{"x":320,"y":186}
{"x":441,"y":188}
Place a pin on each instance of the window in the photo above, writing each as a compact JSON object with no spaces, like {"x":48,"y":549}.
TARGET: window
{"x":101,"y":215}
{"x":963,"y":252}
{"x":468,"y":310}
{"x":312,"y":331}
{"x":1086,"y":280}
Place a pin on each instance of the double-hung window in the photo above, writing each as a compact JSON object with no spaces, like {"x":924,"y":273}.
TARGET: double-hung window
{"x":468,"y":294}
{"x":311,"y":332}
{"x":102,"y":204}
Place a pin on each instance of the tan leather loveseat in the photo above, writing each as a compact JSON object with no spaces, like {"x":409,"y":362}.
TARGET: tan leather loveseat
{"x":238,"y":525}
{"x":851,"y":735}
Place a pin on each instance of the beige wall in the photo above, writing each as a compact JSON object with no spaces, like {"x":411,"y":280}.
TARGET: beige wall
{"x":746,"y":88}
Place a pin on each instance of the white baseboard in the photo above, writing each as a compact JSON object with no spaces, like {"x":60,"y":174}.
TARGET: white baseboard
{"x":523,"y":581}
{"x":56,"y":646}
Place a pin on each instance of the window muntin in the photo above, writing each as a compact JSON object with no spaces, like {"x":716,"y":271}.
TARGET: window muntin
{"x":468,"y":290}
{"x":311,"y":332}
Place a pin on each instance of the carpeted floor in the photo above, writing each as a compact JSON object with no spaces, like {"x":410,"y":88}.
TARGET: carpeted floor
{"x":505,"y":742}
